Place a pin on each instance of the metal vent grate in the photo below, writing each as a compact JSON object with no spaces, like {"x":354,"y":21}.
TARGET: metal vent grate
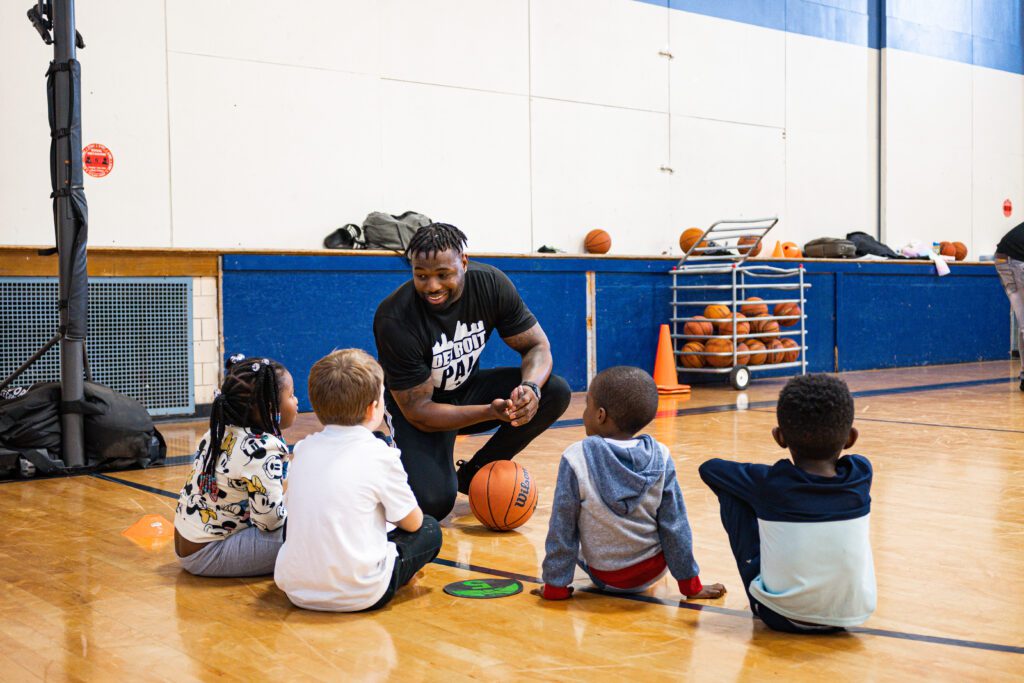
{"x":140,"y":336}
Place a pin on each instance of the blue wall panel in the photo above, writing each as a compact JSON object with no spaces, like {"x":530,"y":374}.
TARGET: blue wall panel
{"x":629,"y":310}
{"x":559,"y":302}
{"x":898,"y":320}
{"x":987,"y":33}
{"x":877,"y":314}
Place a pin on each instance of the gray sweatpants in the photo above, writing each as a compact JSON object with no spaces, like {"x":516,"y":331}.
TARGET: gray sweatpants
{"x":1011,"y":273}
{"x":249,"y":552}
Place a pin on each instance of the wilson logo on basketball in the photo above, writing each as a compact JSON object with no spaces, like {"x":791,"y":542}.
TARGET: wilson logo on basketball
{"x":524,"y":490}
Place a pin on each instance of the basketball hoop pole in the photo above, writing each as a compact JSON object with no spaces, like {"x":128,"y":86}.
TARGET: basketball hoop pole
{"x":70,"y":214}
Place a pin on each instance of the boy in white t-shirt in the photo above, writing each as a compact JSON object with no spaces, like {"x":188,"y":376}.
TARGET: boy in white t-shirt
{"x":344,"y":486}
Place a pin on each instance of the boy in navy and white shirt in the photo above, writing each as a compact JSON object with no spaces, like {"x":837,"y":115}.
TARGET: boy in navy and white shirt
{"x":799,"y":529}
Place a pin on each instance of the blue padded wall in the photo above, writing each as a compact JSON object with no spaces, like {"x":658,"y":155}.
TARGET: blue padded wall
{"x":861,"y":315}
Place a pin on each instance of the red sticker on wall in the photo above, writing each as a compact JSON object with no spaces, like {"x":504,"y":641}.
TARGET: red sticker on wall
{"x":97,"y":160}
{"x":1007,"y":208}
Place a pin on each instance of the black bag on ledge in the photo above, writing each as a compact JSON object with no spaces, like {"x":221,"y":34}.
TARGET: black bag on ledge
{"x":868,"y":245}
{"x":379,"y":231}
{"x":119,"y":433}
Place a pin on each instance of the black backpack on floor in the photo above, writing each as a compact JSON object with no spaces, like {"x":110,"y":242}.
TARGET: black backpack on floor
{"x":119,"y":433}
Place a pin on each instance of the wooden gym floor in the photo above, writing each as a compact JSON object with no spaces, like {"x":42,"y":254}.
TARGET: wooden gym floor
{"x":83,"y":602}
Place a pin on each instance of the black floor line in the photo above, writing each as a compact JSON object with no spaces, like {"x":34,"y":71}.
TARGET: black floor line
{"x":681,"y":604}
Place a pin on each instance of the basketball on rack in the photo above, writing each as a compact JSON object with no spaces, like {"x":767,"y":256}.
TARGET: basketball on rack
{"x":769,"y":327}
{"x":742,"y":326}
{"x":719,"y":346}
{"x":754,"y":306}
{"x":716,"y":312}
{"x":758,"y":355}
{"x":741,"y":354}
{"x":742,"y":246}
{"x":699,"y":327}
{"x":689,"y":360}
{"x":792,"y":350}
{"x":787,"y":309}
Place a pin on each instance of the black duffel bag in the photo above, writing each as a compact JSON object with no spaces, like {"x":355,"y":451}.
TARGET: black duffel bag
{"x":119,"y":433}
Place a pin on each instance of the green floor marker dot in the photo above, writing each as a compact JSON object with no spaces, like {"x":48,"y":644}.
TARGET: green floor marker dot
{"x":481,"y":589}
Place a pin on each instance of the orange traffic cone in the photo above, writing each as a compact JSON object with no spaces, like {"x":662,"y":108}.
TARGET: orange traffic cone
{"x":665,"y":366}
{"x":778,"y":253}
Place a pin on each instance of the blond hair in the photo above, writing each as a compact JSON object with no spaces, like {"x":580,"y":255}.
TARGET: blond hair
{"x":342,"y":384}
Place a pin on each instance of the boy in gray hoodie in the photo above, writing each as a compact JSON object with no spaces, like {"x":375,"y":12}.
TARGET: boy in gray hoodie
{"x":618,"y":511}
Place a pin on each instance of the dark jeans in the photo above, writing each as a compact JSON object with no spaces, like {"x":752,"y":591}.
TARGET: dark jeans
{"x":427,"y":456}
{"x":415,"y":550}
{"x":740,"y":523}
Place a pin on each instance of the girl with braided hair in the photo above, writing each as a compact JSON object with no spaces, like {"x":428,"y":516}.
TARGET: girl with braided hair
{"x":231,"y":511}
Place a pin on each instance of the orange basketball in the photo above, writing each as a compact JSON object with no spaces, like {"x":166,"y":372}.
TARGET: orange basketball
{"x":752,"y":308}
{"x":742,"y":348}
{"x":757,"y":357}
{"x":692,"y":361}
{"x":719,"y":346}
{"x":792,"y":350}
{"x":700,"y":327}
{"x":742,"y":326}
{"x":787,"y":309}
{"x":947,"y":249}
{"x":715,"y":312}
{"x":960,"y":250}
{"x":597,"y":242}
{"x":689,"y":237}
{"x":502,"y":495}
{"x":769,"y":327}
{"x":790,"y":250}
{"x":776,"y":351}
{"x":743,"y":248}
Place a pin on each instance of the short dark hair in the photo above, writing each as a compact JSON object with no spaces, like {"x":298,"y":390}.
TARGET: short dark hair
{"x":436,"y":237}
{"x":342,"y":384}
{"x":628,"y":395}
{"x":815,"y":414}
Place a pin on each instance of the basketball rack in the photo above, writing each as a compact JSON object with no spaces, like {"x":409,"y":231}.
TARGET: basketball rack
{"x":715,"y":266}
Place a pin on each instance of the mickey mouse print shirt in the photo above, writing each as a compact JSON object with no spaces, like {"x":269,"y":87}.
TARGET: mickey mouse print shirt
{"x":415,"y":343}
{"x":249,"y":488}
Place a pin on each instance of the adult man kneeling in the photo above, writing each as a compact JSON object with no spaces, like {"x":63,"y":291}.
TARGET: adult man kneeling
{"x":430,"y":333}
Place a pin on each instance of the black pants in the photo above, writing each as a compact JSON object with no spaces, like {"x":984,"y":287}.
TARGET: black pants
{"x":740,"y":522}
{"x":415,"y":550}
{"x":427,"y":456}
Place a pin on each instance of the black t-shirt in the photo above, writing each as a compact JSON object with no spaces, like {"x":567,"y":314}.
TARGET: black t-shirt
{"x":415,"y":343}
{"x":1012,"y":244}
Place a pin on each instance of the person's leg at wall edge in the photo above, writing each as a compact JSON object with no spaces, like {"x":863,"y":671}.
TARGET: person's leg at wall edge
{"x":1011,"y":274}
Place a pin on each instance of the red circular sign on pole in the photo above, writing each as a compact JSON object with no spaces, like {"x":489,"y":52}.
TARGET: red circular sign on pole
{"x":1007,"y":208}
{"x":97,"y":160}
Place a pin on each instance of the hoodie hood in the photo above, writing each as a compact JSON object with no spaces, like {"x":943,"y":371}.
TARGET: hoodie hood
{"x":620,"y":475}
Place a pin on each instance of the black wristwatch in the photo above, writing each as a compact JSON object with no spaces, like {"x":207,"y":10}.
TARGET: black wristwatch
{"x":533,"y":386}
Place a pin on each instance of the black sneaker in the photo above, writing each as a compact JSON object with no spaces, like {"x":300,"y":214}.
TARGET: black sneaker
{"x":465,"y":475}
{"x":1022,"y":383}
